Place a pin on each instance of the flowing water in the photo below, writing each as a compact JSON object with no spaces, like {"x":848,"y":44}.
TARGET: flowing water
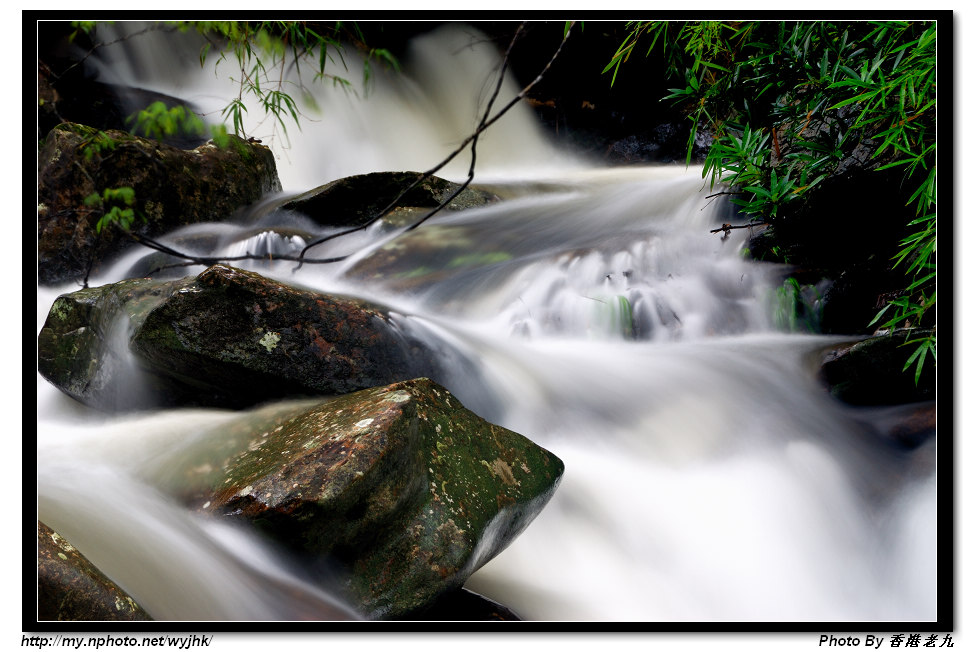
{"x":708,"y":476}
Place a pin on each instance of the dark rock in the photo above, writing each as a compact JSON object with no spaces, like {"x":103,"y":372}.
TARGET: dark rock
{"x":237,"y":338}
{"x":400,"y":488}
{"x":353,"y":201}
{"x":69,"y":587}
{"x":81,"y":348}
{"x":172,"y":188}
{"x":870,"y":372}
{"x":664,"y":143}
{"x":465,"y":605}
{"x":224,"y":338}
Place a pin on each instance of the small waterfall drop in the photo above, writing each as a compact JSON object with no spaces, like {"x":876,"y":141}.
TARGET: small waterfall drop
{"x":348,"y":128}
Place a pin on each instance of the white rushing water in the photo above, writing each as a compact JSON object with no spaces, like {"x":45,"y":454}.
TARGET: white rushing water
{"x":708,"y":477}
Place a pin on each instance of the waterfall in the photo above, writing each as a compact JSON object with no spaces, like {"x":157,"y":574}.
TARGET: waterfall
{"x":708,"y":476}
{"x":352,"y":129}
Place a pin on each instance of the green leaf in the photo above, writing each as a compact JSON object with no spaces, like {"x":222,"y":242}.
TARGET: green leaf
{"x":919,"y":355}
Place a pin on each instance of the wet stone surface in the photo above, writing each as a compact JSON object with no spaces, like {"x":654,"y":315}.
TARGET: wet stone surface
{"x":226,"y":338}
{"x":69,"y":587}
{"x":353,"y":201}
{"x":400,"y":487}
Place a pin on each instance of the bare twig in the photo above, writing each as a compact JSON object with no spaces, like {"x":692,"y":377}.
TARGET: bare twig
{"x":471,"y":140}
{"x":727,"y":227}
{"x":484,"y":124}
{"x":150,"y":28}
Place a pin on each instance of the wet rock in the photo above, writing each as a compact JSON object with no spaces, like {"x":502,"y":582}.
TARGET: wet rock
{"x":172,"y":187}
{"x":69,"y":587}
{"x":870,"y":372}
{"x":662,"y":143}
{"x":465,"y":605}
{"x":82,"y":347}
{"x":353,"y":201}
{"x":428,"y":255}
{"x":399,"y":491}
{"x":226,"y":338}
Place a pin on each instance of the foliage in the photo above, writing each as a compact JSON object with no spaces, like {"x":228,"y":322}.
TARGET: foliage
{"x":797,"y":307}
{"x":81,"y":26}
{"x":158,"y":121}
{"x":97,"y":143}
{"x":263,"y":56}
{"x":789,"y":102}
{"x":265,"y":52}
{"x":116,"y":206}
{"x":625,"y":316}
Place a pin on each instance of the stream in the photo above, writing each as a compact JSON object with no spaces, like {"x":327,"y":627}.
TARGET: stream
{"x":709,"y":477}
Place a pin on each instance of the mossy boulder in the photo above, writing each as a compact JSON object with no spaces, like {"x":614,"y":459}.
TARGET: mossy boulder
{"x":226,"y":337}
{"x":353,"y":201}
{"x":173,"y":188}
{"x":82,"y":347}
{"x":69,"y":587}
{"x":399,"y":490}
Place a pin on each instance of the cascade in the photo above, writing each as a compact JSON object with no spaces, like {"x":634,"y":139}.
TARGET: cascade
{"x":708,"y":476}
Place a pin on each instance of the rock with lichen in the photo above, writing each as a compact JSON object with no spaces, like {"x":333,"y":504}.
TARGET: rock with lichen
{"x":399,"y":491}
{"x":69,"y":587}
{"x":227,"y":338}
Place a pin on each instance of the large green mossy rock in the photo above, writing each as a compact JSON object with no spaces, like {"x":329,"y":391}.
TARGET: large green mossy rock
{"x":400,"y":489}
{"x":226,"y":337}
{"x":355,"y":200}
{"x":173,"y":188}
{"x":69,"y":587}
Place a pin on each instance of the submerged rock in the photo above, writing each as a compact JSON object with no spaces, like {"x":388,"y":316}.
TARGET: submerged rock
{"x":172,"y":188}
{"x":400,"y":491}
{"x":226,"y":338}
{"x":907,"y":426}
{"x":353,"y":201}
{"x":69,"y":587}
